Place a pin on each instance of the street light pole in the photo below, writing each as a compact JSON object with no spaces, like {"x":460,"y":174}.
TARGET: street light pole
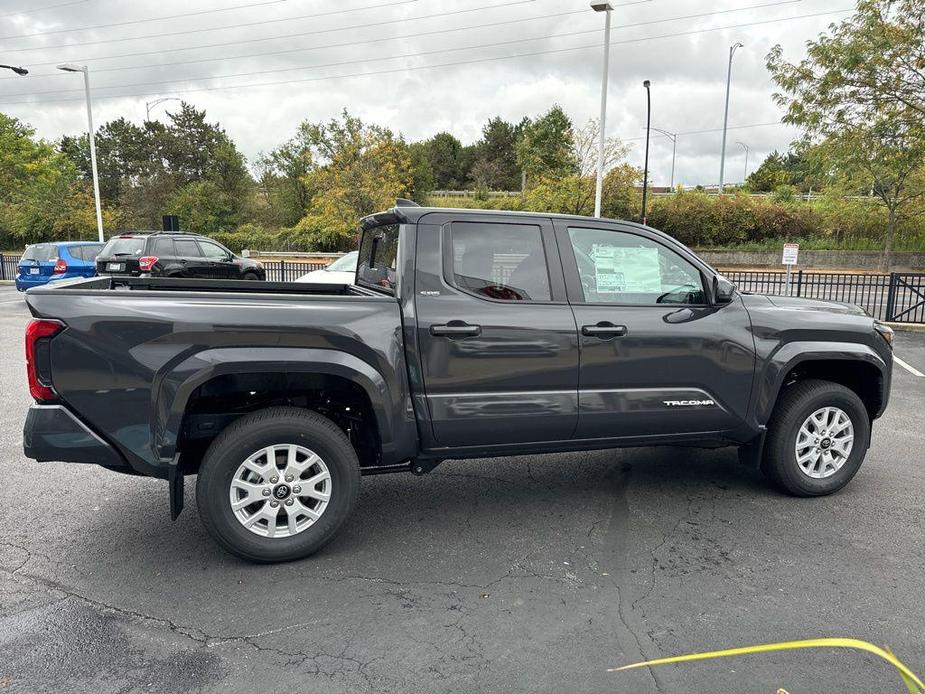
{"x":645,"y":171}
{"x":674,"y":150}
{"x":151,"y":104}
{"x":21,"y":71}
{"x":70,"y":67}
{"x":745,"y":147}
{"x":722,"y":158}
{"x":606,"y":8}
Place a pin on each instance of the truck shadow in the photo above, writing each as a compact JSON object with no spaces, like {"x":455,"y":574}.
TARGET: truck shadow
{"x":464,"y":503}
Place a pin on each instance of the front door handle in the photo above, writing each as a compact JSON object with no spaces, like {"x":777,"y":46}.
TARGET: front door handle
{"x":456,"y":328}
{"x":604,"y":330}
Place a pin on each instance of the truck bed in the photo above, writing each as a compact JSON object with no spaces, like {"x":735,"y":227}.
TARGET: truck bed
{"x":135,"y":350}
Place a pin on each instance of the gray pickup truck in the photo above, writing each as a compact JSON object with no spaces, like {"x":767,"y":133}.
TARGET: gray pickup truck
{"x":467,"y":334}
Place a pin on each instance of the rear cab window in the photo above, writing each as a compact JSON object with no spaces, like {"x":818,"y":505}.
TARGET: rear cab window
{"x":378,"y":259}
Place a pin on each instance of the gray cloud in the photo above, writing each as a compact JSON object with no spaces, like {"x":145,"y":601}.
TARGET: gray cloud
{"x":314,"y":82}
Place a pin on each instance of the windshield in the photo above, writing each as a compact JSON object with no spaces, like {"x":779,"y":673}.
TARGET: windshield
{"x":41,"y":251}
{"x":347,"y":263}
{"x":124,"y":245}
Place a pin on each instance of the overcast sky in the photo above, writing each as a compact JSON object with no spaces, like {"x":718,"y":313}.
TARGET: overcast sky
{"x":284,"y":61}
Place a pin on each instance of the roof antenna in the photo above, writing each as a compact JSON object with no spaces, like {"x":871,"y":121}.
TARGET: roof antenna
{"x":404,"y":202}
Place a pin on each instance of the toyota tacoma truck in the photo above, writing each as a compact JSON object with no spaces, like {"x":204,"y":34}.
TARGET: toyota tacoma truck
{"x":465,"y":334}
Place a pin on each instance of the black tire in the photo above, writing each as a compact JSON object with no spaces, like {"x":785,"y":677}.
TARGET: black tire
{"x":250,"y":276}
{"x":276,"y":425}
{"x":795,"y":404}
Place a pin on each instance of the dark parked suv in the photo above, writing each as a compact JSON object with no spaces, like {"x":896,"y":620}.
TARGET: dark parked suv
{"x":174,"y":254}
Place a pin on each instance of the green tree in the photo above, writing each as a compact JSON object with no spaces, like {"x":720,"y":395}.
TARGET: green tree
{"x":495,"y":157}
{"x":862,"y":113}
{"x":445,"y":154}
{"x":422,"y":173}
{"x":40,"y":196}
{"x":356,"y":170}
{"x":546,"y":148}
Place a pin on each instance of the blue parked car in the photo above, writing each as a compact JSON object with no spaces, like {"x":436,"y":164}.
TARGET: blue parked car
{"x":47,"y":262}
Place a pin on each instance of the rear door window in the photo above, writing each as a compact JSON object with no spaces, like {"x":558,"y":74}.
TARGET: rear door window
{"x":505,"y":262}
{"x":187,"y":248}
{"x":86,"y":253}
{"x":163,"y":248}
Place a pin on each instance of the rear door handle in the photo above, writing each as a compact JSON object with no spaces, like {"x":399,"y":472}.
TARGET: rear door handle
{"x":456,"y":328}
{"x":604,"y":330}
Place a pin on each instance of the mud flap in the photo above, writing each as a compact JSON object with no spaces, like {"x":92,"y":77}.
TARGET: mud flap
{"x":751,"y":453}
{"x":175,"y":482}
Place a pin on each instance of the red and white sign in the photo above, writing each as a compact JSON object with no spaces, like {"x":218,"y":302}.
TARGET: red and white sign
{"x":791,"y":252}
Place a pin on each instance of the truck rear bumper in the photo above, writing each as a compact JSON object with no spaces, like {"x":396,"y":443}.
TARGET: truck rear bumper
{"x":52,"y":433}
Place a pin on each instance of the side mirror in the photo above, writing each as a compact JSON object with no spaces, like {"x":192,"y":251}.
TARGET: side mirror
{"x":723,"y":290}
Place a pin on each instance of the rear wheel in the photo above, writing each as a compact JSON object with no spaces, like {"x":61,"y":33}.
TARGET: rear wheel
{"x":277,"y":484}
{"x":817,"y":438}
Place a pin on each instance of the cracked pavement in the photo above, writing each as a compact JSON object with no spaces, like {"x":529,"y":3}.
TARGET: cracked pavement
{"x":530,"y":574}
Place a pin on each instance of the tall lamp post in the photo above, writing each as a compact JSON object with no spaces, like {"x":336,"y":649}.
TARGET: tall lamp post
{"x":645,"y":171}
{"x":151,"y":104}
{"x":745,"y":147}
{"x":606,"y":8}
{"x":21,"y":71}
{"x":71,"y":67}
{"x":674,"y":150}
{"x":722,"y":158}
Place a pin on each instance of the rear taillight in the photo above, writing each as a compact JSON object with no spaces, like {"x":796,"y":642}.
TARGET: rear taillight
{"x":38,"y":357}
{"x":60,"y":266}
{"x":146,"y":263}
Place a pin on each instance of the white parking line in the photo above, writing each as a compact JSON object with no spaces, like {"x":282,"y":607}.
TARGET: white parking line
{"x":911,"y":369}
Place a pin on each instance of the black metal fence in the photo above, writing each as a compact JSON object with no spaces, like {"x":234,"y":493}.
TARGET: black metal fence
{"x":897,"y":296}
{"x":289,"y":271}
{"x":9,"y":266}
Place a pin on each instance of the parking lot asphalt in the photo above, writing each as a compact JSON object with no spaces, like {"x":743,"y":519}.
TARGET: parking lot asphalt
{"x":521,"y":574}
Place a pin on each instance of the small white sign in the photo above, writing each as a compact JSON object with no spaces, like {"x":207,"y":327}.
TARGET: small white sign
{"x":791,"y":252}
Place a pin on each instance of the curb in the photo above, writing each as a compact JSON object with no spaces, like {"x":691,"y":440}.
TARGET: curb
{"x":907,"y":327}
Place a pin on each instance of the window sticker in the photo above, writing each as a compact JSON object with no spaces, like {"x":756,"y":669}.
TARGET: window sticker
{"x":626,"y":270}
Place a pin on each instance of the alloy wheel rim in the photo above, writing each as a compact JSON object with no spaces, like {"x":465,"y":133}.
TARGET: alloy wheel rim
{"x":824,"y":442}
{"x":280,"y":490}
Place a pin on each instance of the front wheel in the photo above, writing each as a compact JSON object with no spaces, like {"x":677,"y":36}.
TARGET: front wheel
{"x":817,"y":438}
{"x":277,"y":484}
